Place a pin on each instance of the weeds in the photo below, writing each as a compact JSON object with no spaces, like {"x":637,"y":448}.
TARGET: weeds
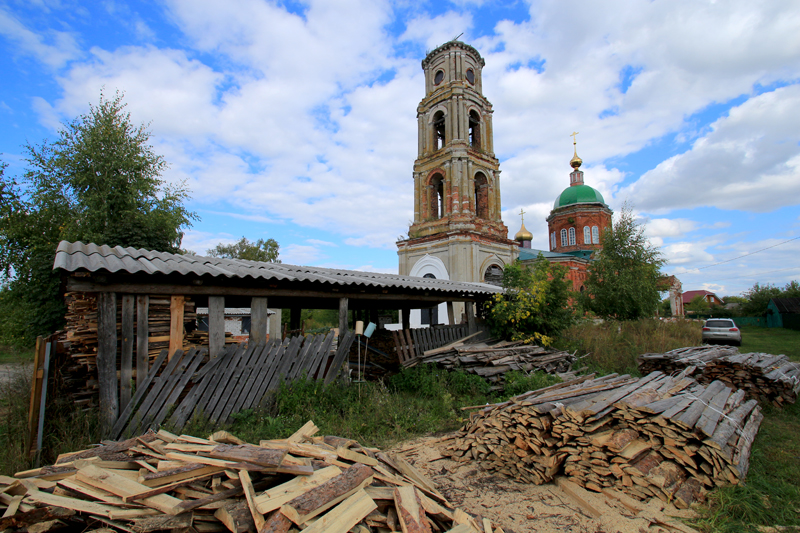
{"x":521,"y":382}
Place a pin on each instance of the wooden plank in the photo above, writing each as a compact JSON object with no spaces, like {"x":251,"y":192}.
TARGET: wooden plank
{"x":236,"y":517}
{"x":233,"y":383}
{"x":343,"y":302}
{"x":321,"y":357}
{"x":151,"y":396}
{"x":176,"y":306}
{"x":258,"y":321}
{"x":303,"y":359}
{"x":273,"y":498}
{"x":323,"y":497}
{"x":142,"y":335}
{"x":107,"y":359}
{"x":271,"y":368}
{"x":575,"y":493}
{"x":252,"y":397}
{"x":341,"y":354}
{"x":410,"y":510}
{"x":187,"y":406}
{"x":285,"y":363}
{"x":126,"y":353}
{"x":248,"y":453}
{"x":49,"y":350}
{"x":470,"y":308}
{"x":412,"y":352}
{"x":247,"y":381}
{"x":451,"y":316}
{"x":114,"y":483}
{"x":216,"y":325}
{"x":219,"y":381}
{"x":345,"y":516}
{"x":250,"y":495}
{"x":349,"y":455}
{"x":36,"y":392}
{"x":186,"y":372}
{"x":168,"y":382}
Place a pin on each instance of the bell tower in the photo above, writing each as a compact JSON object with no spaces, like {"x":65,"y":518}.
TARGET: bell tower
{"x":457,"y":223}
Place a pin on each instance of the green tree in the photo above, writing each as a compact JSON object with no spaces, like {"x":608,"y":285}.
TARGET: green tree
{"x":99,"y":181}
{"x":261,"y":250}
{"x":758,"y":296}
{"x":623,"y":281}
{"x":536,"y":304}
{"x":699,"y":304}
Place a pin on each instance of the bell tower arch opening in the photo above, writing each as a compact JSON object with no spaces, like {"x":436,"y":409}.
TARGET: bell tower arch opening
{"x":439,"y":133}
{"x":481,"y":196}
{"x":436,"y":199}
{"x":474,"y":130}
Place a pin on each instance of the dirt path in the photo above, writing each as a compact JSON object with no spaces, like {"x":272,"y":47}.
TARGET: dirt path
{"x":9,"y":371}
{"x":521,"y":508}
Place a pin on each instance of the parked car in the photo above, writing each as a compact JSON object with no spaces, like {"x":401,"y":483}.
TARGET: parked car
{"x":721,"y":331}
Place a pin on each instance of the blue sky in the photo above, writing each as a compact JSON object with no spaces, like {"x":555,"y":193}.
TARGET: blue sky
{"x":296,"y":120}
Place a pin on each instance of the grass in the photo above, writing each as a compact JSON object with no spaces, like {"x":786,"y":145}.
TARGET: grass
{"x":15,"y":354}
{"x":771,"y":340}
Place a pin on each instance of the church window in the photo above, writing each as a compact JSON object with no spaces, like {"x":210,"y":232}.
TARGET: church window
{"x":438,"y":130}
{"x":572,"y":236}
{"x":438,"y":77}
{"x":474,"y":130}
{"x":481,"y":195}
{"x":437,"y":197}
{"x":471,"y":76}
{"x":595,"y":235}
{"x":563,"y":237}
{"x":587,"y":235}
{"x":553,"y":240}
{"x":493,"y":276}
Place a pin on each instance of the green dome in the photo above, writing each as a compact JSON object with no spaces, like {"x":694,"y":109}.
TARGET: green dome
{"x":580,"y":194}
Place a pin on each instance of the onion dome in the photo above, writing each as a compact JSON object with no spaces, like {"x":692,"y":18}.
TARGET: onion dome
{"x":580,"y":194}
{"x":576,"y":161}
{"x":523,"y":234}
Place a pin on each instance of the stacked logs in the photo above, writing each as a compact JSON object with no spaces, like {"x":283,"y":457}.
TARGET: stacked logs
{"x":164,"y":481}
{"x":663,"y":436}
{"x":492,"y":361}
{"x":764,"y":377}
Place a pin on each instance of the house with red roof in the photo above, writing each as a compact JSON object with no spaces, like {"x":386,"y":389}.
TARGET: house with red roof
{"x":708,"y":296}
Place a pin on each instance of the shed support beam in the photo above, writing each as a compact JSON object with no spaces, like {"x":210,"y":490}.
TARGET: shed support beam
{"x":126,"y":357}
{"x":107,"y":358}
{"x":294,"y":318}
{"x":405,"y":320}
{"x":342,"y":316}
{"x":175,"y":324}
{"x":142,"y":338}
{"x":216,"y":325}
{"x":451,"y":315}
{"x":473,"y":326}
{"x":258,"y":321}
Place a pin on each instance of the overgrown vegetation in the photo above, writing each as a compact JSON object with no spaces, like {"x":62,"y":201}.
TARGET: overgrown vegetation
{"x":261,"y":250}
{"x":536,"y":306}
{"x":759,"y":295}
{"x":613,"y":346}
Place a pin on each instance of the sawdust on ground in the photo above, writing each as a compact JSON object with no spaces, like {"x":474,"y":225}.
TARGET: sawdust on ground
{"x":520,"y":508}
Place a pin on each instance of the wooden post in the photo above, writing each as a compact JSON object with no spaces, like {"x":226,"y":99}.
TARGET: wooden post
{"x":126,"y":357}
{"x":175,"y":324}
{"x":36,"y":391}
{"x":451,"y":315}
{"x":142,"y":338}
{"x":405,"y":320}
{"x":470,"y":307}
{"x":216,"y":325}
{"x":294,"y":318}
{"x":342,"y":317}
{"x":107,"y":358}
{"x":258,"y":321}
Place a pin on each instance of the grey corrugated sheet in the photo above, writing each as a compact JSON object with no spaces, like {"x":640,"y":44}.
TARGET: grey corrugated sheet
{"x":74,"y":256}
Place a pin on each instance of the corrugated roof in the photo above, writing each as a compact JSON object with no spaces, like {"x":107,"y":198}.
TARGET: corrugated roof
{"x":76,"y":256}
{"x":787,"y":305}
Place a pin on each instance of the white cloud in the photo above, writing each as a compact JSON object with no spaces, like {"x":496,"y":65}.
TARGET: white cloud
{"x":53,"y":48}
{"x":298,"y":254}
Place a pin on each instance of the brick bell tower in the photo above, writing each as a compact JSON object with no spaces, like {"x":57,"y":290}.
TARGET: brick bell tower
{"x":457,"y":232}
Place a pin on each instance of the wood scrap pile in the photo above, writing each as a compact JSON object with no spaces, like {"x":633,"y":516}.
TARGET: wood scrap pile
{"x":491,"y":360}
{"x":199,"y":339}
{"x":164,"y":481}
{"x":660,"y":435}
{"x":80,"y":339}
{"x":765,"y":377}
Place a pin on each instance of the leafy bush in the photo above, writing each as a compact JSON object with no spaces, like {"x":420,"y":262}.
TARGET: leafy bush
{"x":521,"y":382}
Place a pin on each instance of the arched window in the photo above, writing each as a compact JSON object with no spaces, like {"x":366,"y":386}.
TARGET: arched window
{"x":563,"y":237}
{"x":481,"y":195}
{"x":439,"y":137}
{"x":436,"y":199}
{"x":471,"y":76}
{"x":572,"y":236}
{"x":474,"y":130}
{"x":493,"y":276}
{"x":553,"y":240}
{"x":587,"y":235}
{"x":595,"y":235}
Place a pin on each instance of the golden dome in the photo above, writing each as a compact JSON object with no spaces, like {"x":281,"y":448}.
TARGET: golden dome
{"x":523,"y":234}
{"x":576,"y":161}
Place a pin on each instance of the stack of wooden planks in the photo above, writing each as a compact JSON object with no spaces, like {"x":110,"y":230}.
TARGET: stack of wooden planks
{"x":765,"y":377}
{"x":491,"y":360}
{"x":164,"y":481}
{"x":664,"y":436}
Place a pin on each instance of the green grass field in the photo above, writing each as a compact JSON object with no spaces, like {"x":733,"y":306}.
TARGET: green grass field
{"x":771,"y":340}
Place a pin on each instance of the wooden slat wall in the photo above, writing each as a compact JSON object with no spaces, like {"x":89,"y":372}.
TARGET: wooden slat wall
{"x":235,"y":380}
{"x":410,"y":343}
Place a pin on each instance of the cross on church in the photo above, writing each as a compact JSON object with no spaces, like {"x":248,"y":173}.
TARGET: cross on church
{"x":522,"y":214}
{"x":573,"y":134}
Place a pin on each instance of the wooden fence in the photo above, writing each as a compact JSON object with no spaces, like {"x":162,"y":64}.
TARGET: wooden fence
{"x":237,"y":379}
{"x":409,"y":343}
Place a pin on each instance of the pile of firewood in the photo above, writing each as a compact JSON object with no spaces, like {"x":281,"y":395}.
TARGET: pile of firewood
{"x":660,"y":435}
{"x":764,"y":377}
{"x":163,"y":481}
{"x":492,"y":361}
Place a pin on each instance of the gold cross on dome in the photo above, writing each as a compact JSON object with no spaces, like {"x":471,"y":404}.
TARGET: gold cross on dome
{"x":522,"y":214}
{"x":573,"y":134}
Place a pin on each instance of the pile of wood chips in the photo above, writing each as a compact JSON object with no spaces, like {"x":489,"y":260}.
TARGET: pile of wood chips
{"x":163,"y":481}
{"x":492,"y":360}
{"x":660,"y":435}
{"x":764,"y":377}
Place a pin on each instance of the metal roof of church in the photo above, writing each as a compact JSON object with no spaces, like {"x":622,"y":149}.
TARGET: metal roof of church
{"x":75,"y":256}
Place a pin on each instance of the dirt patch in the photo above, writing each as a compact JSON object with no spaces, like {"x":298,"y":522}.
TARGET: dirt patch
{"x":520,"y":507}
{"x":10,"y":371}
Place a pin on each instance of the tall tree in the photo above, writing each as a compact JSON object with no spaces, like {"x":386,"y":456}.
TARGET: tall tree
{"x":99,"y":181}
{"x":623,"y":280}
{"x":261,"y":250}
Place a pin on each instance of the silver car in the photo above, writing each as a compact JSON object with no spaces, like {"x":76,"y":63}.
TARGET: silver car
{"x":721,"y":330}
